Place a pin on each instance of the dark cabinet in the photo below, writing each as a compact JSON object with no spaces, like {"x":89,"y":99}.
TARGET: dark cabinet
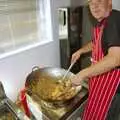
{"x":70,"y":35}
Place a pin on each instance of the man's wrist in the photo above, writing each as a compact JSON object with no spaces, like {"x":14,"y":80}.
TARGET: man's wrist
{"x":83,"y":74}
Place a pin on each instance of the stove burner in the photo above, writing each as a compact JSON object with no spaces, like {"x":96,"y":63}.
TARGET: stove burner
{"x":57,"y":111}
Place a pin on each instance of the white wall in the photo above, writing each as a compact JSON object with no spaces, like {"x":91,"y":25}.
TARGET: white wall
{"x":116,"y":4}
{"x":14,"y":69}
{"x":61,"y":3}
{"x":78,"y":2}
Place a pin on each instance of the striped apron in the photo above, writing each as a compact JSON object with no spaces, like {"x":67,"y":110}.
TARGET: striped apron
{"x":102,"y":88}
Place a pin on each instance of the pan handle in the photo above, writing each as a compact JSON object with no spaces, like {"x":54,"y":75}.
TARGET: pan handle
{"x":35,"y":68}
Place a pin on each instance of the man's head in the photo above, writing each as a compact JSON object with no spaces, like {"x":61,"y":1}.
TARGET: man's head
{"x":100,"y":8}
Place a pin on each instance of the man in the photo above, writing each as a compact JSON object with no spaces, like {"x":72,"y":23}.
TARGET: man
{"x":104,"y":73}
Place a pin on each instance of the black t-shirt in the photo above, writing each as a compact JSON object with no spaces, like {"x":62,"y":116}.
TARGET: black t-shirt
{"x":111,"y":33}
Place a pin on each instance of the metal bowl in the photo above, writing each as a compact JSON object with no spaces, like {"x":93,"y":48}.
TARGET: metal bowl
{"x":54,"y":74}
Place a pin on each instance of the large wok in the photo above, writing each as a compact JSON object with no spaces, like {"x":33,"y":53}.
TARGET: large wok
{"x":55,"y":74}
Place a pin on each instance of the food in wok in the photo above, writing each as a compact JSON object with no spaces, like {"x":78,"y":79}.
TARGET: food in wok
{"x":44,"y":83}
{"x":50,"y":90}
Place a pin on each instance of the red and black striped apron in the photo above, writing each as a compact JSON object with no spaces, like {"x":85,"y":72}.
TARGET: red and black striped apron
{"x":102,"y":88}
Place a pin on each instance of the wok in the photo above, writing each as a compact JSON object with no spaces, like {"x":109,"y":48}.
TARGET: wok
{"x":54,"y":74}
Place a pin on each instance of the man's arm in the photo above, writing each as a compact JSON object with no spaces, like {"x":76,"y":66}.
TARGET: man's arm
{"x":109,"y":62}
{"x":86,"y":48}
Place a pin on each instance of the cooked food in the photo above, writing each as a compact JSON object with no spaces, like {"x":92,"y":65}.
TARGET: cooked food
{"x":6,"y":116}
{"x":49,"y":89}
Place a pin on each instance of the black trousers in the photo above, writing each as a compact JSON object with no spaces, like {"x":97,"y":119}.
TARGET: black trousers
{"x":114,"y":111}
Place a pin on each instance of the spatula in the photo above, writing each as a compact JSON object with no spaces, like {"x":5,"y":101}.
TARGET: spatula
{"x":66,"y":73}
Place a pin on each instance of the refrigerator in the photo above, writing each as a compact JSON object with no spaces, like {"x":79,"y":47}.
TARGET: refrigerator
{"x":70,"y":35}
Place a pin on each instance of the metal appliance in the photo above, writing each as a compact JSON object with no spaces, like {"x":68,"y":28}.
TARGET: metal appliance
{"x":49,"y":110}
{"x":8,"y":110}
{"x":70,"y":35}
{"x":45,"y":111}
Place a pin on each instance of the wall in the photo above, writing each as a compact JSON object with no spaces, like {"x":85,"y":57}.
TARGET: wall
{"x":116,"y":4}
{"x":14,"y":69}
{"x":78,"y":2}
{"x":61,"y":3}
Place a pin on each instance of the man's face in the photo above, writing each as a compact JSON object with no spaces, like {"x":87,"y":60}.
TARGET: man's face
{"x":98,"y":8}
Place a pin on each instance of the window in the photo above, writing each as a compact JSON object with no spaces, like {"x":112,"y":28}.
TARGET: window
{"x":23,"y":23}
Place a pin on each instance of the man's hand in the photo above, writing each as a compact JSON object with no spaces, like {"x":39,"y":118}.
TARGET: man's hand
{"x":75,"y":56}
{"x":86,"y":48}
{"x":77,"y":79}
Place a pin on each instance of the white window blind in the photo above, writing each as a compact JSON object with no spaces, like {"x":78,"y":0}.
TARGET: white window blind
{"x":22,"y":23}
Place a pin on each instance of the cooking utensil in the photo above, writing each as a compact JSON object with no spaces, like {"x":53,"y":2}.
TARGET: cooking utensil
{"x":53,"y":74}
{"x":66,"y":73}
